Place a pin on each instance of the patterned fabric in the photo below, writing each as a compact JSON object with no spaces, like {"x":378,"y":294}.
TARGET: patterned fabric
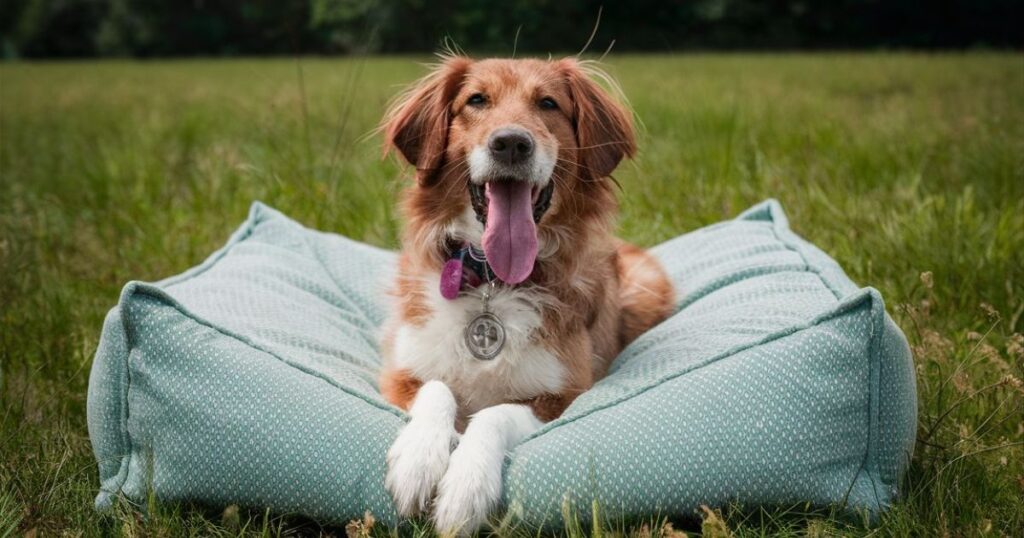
{"x":251,"y":379}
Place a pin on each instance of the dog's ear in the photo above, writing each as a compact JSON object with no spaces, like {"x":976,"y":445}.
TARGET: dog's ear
{"x":417,"y":124}
{"x":604,"y":128}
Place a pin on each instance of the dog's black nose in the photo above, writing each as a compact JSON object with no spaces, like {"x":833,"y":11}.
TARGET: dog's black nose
{"x":510,"y":145}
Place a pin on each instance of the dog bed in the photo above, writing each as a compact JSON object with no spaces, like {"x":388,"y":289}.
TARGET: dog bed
{"x":251,"y":379}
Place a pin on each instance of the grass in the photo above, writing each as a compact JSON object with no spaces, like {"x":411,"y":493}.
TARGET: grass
{"x":908,"y":169}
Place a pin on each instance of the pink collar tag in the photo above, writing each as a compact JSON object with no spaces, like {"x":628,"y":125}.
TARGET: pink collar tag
{"x":451,"y":277}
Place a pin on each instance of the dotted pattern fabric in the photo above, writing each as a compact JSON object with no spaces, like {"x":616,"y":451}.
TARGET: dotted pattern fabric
{"x":778,"y":381}
{"x":251,"y":379}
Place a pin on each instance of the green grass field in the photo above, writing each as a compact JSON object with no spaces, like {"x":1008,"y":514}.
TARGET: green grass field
{"x":908,"y":169}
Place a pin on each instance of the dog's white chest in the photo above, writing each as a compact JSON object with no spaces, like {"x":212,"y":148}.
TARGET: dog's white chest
{"x":438,"y":349}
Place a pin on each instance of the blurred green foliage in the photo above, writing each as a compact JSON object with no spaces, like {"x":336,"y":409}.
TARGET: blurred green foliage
{"x":145,"y":28}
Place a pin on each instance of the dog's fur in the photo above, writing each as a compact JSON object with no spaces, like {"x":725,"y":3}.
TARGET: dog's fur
{"x":588,"y":296}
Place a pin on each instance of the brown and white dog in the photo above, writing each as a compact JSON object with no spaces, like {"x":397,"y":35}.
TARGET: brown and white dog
{"x":513,"y":158}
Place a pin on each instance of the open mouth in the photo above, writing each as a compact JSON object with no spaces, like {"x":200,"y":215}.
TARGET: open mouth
{"x":510,"y":210}
{"x":540,"y":198}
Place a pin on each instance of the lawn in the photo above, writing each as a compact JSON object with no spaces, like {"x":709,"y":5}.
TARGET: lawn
{"x":908,"y":169}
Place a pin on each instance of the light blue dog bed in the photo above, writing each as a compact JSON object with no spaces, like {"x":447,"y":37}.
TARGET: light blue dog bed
{"x":251,"y":379}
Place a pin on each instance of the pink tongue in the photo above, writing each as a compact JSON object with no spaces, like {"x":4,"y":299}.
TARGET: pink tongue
{"x":510,"y":237}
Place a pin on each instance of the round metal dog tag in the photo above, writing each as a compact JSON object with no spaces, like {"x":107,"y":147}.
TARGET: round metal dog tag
{"x":485,"y":336}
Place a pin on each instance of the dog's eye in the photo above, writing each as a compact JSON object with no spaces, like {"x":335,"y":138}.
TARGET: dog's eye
{"x":476,"y":99}
{"x":548,"y":103}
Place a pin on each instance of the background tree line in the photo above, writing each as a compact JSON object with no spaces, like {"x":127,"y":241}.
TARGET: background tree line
{"x":147,"y":28}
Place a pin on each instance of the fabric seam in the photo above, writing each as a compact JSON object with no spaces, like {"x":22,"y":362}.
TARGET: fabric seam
{"x":874,"y":398}
{"x":127,"y":442}
{"x":867,"y":461}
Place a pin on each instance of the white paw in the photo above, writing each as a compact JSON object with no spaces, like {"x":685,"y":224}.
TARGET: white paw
{"x":470,"y":489}
{"x":419,"y":456}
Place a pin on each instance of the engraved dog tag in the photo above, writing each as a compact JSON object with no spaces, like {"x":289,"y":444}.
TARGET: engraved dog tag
{"x":485,"y":336}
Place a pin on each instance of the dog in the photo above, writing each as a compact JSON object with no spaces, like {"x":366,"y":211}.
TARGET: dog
{"x":512,"y":295}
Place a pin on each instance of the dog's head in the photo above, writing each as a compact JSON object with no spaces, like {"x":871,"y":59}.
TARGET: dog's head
{"x":509,"y":138}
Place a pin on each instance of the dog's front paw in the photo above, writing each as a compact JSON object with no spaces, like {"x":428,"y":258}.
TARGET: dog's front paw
{"x":470,"y":489}
{"x":419,"y":456}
